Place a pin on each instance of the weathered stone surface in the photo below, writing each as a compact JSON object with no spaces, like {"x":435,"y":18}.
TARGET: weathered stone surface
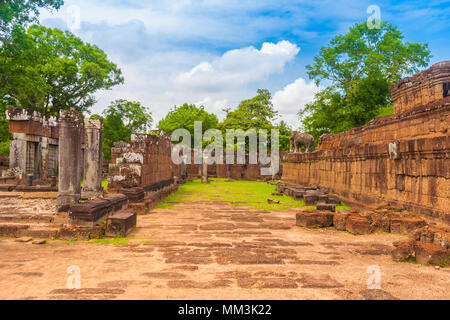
{"x":340,"y":221}
{"x":93,"y":157}
{"x":117,"y":201}
{"x":380,"y":222}
{"x":134,"y":194}
{"x":323,"y":206}
{"x":334,"y":199}
{"x":357,"y":166}
{"x":39,"y":242}
{"x":431,"y":253}
{"x":314,"y":219}
{"x":24,"y":239}
{"x":311,"y":199}
{"x":273,"y":201}
{"x":403,"y":250}
{"x":405,"y":225}
{"x":90,"y":213}
{"x":70,"y":136}
{"x":121,"y":223}
{"x":145,"y":160}
{"x":358,"y":225}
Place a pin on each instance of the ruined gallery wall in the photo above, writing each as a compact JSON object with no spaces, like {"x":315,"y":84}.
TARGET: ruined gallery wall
{"x":144,"y":161}
{"x":35,"y":141}
{"x":247,"y":171}
{"x":401,"y":159}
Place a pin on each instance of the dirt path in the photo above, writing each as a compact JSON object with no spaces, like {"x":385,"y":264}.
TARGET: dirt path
{"x":213,"y":251}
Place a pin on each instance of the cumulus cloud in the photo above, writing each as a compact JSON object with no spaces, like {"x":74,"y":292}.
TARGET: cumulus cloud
{"x":239,"y":67}
{"x":294,"y":97}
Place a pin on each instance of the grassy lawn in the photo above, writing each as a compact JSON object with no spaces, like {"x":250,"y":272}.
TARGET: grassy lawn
{"x":252,"y":194}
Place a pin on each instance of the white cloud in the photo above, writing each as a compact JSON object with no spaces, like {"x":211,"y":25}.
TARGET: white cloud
{"x":294,"y":97}
{"x":239,"y":67}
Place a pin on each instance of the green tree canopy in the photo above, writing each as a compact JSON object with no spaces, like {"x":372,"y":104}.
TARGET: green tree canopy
{"x":120,"y":120}
{"x":49,"y":70}
{"x":257,"y":112}
{"x":183,"y":117}
{"x":358,"y":68}
{"x":15,"y":13}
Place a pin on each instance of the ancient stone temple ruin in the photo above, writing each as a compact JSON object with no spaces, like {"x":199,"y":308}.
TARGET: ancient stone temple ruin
{"x":34,"y":149}
{"x":400,"y":160}
{"x":143,"y":169}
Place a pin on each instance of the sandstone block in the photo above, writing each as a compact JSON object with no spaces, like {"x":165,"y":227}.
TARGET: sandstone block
{"x":314,"y":219}
{"x":432,"y":253}
{"x":311,"y":199}
{"x":323,"y":206}
{"x":358,"y":225}
{"x":405,"y":225}
{"x":403,"y":250}
{"x":340,"y":220}
{"x":273,"y":201}
{"x":120,"y":224}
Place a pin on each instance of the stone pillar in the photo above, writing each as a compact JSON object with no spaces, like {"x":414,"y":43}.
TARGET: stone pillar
{"x":183,"y":168}
{"x":70,"y":137}
{"x":93,"y":158}
{"x":205,"y":170}
{"x":18,"y":155}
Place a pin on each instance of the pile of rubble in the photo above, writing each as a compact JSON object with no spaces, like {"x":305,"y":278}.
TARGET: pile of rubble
{"x":312,"y":195}
{"x":426,"y":244}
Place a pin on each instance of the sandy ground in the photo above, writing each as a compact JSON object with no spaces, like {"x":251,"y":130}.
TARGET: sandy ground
{"x":213,"y":251}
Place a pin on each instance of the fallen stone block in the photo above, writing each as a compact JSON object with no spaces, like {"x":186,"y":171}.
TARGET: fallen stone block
{"x":432,"y":235}
{"x":334,"y":199}
{"x":358,"y":225}
{"x":23,"y":239}
{"x":314,"y":219}
{"x":121,"y":223}
{"x":340,"y":221}
{"x":311,"y":199}
{"x":432,"y":254}
{"x":405,"y":225}
{"x":134,"y":194}
{"x":298,"y":194}
{"x":117,"y":201}
{"x":90,"y":213}
{"x":276,"y":194}
{"x":281,"y":187}
{"x":380,"y":223}
{"x":273,"y":201}
{"x":39,"y":242}
{"x":323,"y":206}
{"x":403,"y":250}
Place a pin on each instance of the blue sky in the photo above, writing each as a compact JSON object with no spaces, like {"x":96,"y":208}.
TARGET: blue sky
{"x":217,"y":53}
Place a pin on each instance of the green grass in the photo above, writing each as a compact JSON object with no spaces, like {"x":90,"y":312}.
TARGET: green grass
{"x":253,"y":194}
{"x":115,"y":241}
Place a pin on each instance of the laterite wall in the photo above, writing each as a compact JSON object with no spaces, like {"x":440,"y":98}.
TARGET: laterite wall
{"x":359,"y":166}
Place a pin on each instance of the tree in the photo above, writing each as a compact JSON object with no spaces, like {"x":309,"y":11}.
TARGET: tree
{"x":183,"y":117}
{"x":359,"y":68}
{"x":120,"y":120}
{"x":255,"y":113}
{"x":49,"y":70}
{"x":15,"y":13}
{"x":285,"y":135}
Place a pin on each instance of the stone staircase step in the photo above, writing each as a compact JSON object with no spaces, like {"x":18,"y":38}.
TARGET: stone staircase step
{"x":33,"y":230}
